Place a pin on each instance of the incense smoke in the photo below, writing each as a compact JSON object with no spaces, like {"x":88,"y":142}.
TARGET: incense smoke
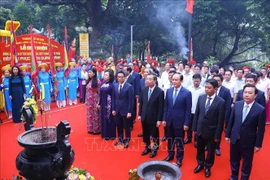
{"x":172,"y":14}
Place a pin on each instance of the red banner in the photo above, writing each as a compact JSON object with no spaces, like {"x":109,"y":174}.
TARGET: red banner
{"x":23,"y":47}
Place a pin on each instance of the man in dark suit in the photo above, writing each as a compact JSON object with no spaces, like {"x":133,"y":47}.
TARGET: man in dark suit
{"x":136,"y":90}
{"x":225,"y":94}
{"x":122,"y":102}
{"x":245,"y":132}
{"x":151,"y":113}
{"x":142,"y":85}
{"x":208,"y":125}
{"x":260,"y":98}
{"x":176,"y":117}
{"x":131,"y":80}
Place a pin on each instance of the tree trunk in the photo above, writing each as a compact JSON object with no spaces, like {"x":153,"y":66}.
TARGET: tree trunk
{"x":234,"y":49}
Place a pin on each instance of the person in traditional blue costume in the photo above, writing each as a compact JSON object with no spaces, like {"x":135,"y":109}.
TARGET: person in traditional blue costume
{"x":72,"y":84}
{"x":16,"y":93}
{"x":5,"y":88}
{"x":27,"y":81}
{"x":108,"y":127}
{"x":44,"y":86}
{"x":62,"y":85}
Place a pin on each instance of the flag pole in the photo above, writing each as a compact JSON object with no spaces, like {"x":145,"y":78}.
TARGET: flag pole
{"x":189,"y":34}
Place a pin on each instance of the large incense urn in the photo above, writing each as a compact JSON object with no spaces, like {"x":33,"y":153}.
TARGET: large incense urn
{"x":47,"y":154}
{"x":158,"y":170}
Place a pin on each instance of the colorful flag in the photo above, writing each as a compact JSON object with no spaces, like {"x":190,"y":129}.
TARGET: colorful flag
{"x":189,"y":7}
{"x":50,"y":50}
{"x":34,"y":67}
{"x":66,"y":60}
{"x":13,"y":52}
{"x":148,"y":52}
{"x":191,"y":60}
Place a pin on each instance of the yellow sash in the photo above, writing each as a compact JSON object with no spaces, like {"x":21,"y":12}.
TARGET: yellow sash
{"x":42,"y":94}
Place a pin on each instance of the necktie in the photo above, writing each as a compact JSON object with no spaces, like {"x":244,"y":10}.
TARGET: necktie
{"x":149,"y":93}
{"x":174,"y":95}
{"x":245,"y":112}
{"x":207,"y":105}
{"x":120,"y":89}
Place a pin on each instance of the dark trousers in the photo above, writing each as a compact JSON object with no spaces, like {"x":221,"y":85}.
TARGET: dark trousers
{"x":122,"y":122}
{"x":211,"y":146}
{"x":175,"y":137}
{"x":165,"y":132}
{"x":150,"y":129}
{"x":82,"y":100}
{"x":236,"y":153}
{"x":189,"y":132}
{"x":133,"y":117}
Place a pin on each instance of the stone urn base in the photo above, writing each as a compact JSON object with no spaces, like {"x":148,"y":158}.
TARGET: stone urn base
{"x":47,"y":154}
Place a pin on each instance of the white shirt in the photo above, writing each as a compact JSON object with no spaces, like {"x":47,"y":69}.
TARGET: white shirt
{"x":212,"y":99}
{"x":84,"y":75}
{"x":165,"y":79}
{"x":177,"y":92}
{"x":249,"y":106}
{"x":239,"y":83}
{"x":195,"y":92}
{"x":120,"y":85}
{"x":231,"y":86}
{"x":187,"y":81}
{"x":264,"y":85}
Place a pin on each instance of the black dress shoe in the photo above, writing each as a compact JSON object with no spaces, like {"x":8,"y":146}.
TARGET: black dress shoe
{"x":198,"y":168}
{"x":140,"y":135}
{"x":118,"y":143}
{"x":168,"y":158}
{"x":146,"y":151}
{"x":217,"y":152}
{"x":153,"y":154}
{"x":126,"y":144}
{"x":179,"y":163}
{"x":164,"y":138}
{"x":207,"y":172}
{"x":187,"y":141}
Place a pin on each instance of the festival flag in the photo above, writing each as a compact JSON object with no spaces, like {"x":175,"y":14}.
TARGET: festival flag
{"x":66,"y":60}
{"x":148,"y":52}
{"x":50,"y":50}
{"x":34,"y":66}
{"x":189,"y":7}
{"x":13,"y":52}
{"x":191,"y":60}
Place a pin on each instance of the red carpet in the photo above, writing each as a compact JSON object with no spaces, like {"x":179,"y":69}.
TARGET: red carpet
{"x":107,"y":162}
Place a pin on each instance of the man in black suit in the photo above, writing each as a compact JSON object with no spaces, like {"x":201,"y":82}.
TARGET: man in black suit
{"x":225,"y":94}
{"x":260,"y":98}
{"x":122,"y":102}
{"x":208,"y":125}
{"x":245,"y":132}
{"x":151,"y":112}
{"x":131,"y":80}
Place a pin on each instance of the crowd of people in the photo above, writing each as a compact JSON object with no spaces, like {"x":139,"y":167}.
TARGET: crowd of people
{"x":192,"y":102}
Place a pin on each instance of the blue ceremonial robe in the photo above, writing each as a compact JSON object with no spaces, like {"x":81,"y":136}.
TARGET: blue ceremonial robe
{"x":8,"y":103}
{"x":44,"y":77}
{"x":62,"y":84}
{"x":73,"y":84}
{"x":28,"y":85}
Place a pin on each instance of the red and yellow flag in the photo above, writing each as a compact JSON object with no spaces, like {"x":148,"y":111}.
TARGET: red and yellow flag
{"x":148,"y":52}
{"x":13,"y":52}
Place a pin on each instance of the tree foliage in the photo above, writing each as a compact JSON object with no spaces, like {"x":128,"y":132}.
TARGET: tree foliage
{"x":227,"y":31}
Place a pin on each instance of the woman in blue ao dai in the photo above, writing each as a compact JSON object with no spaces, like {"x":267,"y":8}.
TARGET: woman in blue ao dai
{"x":62,"y":85}
{"x":72,"y":84}
{"x":44,"y":86}
{"x":5,"y":88}
{"x":27,"y":81}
